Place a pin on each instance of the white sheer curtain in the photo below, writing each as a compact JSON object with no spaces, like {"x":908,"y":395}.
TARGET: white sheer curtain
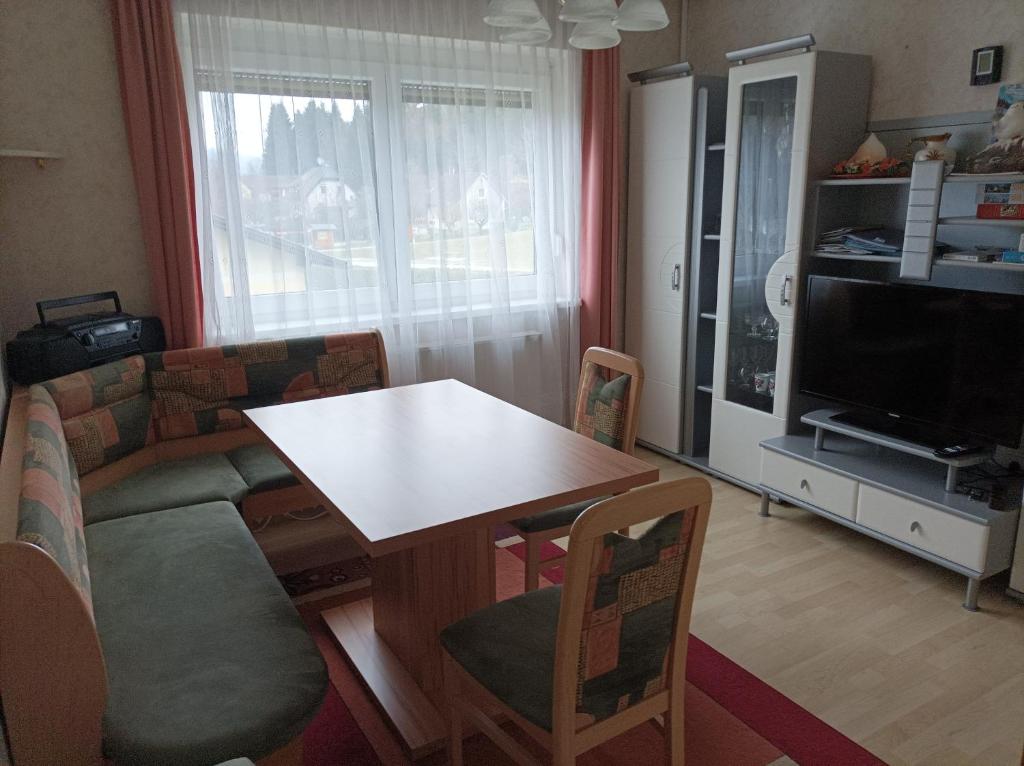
{"x":387,"y":163}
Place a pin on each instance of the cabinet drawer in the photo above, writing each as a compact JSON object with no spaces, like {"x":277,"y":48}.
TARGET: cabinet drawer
{"x":824,"y":489}
{"x":953,"y":538}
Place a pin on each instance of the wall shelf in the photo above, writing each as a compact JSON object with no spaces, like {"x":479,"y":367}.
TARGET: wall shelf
{"x":38,"y":155}
{"x":970,"y":220}
{"x":955,"y":178}
{"x":872,"y":257}
{"x":864,"y":181}
{"x":975,"y":265}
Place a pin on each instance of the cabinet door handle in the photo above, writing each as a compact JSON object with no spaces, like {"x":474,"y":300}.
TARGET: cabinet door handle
{"x":915,"y":526}
{"x":804,"y":484}
{"x":784,"y":299}
{"x":676,"y":276}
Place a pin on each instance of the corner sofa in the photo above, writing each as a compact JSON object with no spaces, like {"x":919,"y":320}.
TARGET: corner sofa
{"x":140,"y":622}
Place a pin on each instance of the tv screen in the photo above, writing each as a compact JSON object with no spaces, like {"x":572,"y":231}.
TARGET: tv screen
{"x":950,"y":360}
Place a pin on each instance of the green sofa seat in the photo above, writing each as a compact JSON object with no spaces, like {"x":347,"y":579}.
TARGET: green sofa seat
{"x":509,"y":648}
{"x":206,"y":657}
{"x":559,"y":517}
{"x":260,"y":468}
{"x":167,"y":484}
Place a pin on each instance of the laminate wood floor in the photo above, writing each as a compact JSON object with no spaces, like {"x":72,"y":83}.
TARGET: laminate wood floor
{"x":870,"y":639}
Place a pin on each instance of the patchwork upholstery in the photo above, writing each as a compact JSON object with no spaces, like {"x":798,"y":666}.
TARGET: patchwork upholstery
{"x":628,"y":627}
{"x":629,"y":619}
{"x":206,"y":656}
{"x":559,"y":517}
{"x":167,"y":484}
{"x":50,"y":506}
{"x":203,"y":390}
{"x":260,"y":468}
{"x":601,"y":406}
{"x":105,"y":411}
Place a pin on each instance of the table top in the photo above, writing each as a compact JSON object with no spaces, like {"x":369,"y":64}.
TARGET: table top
{"x":408,"y":465}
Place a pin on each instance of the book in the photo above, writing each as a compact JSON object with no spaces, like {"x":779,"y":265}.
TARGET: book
{"x":1012,"y":256}
{"x":1001,"y":194}
{"x":968,"y":257}
{"x":996,"y":211}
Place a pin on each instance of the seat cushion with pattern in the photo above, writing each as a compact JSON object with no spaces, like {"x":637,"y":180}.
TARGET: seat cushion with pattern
{"x":509,"y":648}
{"x":206,"y":657}
{"x":559,"y":517}
{"x":167,"y":484}
{"x":261,"y":469}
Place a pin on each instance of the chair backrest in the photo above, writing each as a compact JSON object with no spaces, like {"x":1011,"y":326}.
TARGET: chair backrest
{"x":608,"y":404}
{"x":626,"y":603}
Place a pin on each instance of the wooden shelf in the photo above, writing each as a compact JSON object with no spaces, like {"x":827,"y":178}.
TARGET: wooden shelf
{"x":970,"y":220}
{"x":875,"y":257}
{"x":864,"y":181}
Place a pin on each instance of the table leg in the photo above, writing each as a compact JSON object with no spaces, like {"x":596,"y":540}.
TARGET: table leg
{"x":394,"y":644}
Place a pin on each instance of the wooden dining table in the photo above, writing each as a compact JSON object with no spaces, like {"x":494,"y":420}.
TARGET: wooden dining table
{"x":420,"y":475}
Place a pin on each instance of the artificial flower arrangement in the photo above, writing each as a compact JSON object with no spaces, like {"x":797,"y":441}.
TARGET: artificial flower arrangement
{"x":870,"y":161}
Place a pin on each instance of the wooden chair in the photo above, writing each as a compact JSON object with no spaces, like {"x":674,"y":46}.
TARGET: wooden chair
{"x":596,"y":414}
{"x":613,"y":638}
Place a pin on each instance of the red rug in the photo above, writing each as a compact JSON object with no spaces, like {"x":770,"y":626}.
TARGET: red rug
{"x":732,"y":717}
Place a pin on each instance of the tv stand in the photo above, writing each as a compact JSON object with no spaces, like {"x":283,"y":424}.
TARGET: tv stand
{"x":839,"y":422}
{"x":890,"y":490}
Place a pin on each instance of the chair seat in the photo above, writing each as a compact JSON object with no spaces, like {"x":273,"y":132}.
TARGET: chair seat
{"x":206,"y":657}
{"x":559,"y":517}
{"x":167,"y":484}
{"x":261,"y":469}
{"x":509,"y":648}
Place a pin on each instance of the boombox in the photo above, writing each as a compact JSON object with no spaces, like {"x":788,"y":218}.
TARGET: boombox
{"x":56,"y":347}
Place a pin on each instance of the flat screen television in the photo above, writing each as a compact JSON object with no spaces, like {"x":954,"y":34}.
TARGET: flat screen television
{"x":936,"y":365}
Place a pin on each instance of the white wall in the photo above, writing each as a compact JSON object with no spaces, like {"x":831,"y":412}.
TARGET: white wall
{"x":72,"y":227}
{"x":921,"y":49}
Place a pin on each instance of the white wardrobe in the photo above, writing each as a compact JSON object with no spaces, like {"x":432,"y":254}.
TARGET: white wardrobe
{"x":788,"y":120}
{"x":675,"y":161}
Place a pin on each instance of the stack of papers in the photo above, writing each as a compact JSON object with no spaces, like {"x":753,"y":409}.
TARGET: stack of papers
{"x":860,"y":241}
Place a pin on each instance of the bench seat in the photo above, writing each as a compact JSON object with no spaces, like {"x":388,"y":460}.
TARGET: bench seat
{"x":206,"y":657}
{"x":260,"y":468}
{"x":167,"y":484}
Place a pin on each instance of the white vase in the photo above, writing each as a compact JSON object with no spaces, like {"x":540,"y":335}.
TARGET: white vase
{"x":936,"y":148}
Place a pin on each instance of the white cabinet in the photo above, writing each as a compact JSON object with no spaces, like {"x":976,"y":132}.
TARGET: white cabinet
{"x":788,"y":120}
{"x":668,"y":137}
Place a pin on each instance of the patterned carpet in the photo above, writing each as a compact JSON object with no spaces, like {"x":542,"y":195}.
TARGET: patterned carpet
{"x":732,"y":717}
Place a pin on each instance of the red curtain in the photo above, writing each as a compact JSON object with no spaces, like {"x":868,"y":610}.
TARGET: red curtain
{"x":157,"y":124}
{"x":599,"y":235}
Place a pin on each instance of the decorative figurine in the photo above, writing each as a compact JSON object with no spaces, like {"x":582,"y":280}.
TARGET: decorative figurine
{"x":1006,"y":153}
{"x":937,"y":148}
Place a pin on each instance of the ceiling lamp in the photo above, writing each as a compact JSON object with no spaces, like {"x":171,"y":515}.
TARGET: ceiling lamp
{"x":594,"y":35}
{"x":597,"y":22}
{"x":535,"y":34}
{"x":641,"y":16}
{"x":588,"y":10}
{"x":512,"y":13}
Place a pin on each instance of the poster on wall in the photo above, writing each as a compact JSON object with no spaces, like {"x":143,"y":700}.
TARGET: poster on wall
{"x":1006,"y":152}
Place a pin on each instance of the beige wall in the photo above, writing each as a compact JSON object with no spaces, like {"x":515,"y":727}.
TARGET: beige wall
{"x":921,"y":49}
{"x":72,"y":227}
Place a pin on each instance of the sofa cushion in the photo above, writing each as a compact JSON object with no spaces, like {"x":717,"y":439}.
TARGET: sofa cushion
{"x":509,"y":648}
{"x":50,"y":505}
{"x":207,"y":658}
{"x":202,"y":390}
{"x":167,"y":484}
{"x":106,"y":411}
{"x":261,"y":468}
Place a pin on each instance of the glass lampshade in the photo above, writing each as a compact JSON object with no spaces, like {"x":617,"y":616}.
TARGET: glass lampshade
{"x":588,"y":10}
{"x":594,"y":35}
{"x":641,"y":16}
{"x":512,"y":13}
{"x":535,"y":34}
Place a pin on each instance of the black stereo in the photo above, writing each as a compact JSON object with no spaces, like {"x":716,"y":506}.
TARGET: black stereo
{"x":56,"y":347}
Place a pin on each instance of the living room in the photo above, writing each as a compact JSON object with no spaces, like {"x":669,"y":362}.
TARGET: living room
{"x":515,"y":381}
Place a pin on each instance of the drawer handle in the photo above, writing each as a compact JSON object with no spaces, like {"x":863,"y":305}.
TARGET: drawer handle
{"x":804,"y":484}
{"x":915,"y":526}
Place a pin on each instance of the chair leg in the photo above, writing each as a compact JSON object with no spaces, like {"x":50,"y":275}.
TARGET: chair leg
{"x":451,"y":693}
{"x":533,"y":543}
{"x":562,"y":752}
{"x":675,"y":733}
